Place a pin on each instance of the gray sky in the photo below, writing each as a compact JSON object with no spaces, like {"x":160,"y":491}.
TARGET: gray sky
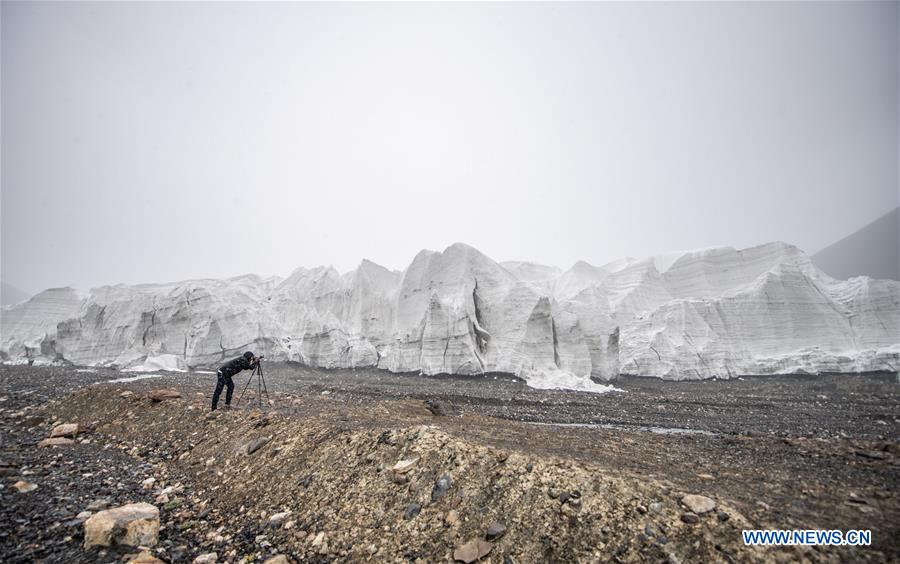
{"x":163,"y":141}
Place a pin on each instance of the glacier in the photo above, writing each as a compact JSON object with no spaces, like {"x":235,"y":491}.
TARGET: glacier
{"x":710,"y":313}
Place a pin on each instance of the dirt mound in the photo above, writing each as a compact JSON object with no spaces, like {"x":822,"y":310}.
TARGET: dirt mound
{"x":318,"y":485}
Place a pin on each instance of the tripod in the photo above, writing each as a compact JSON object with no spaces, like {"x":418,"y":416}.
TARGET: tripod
{"x":260,"y":384}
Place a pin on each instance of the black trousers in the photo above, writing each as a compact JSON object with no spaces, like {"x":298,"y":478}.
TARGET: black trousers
{"x":222,"y":382}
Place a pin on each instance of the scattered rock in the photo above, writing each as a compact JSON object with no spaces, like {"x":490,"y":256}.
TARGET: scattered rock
{"x":412,"y":510}
{"x":473,"y":550}
{"x":690,"y":518}
{"x":144,"y":557}
{"x":404,"y":466}
{"x":207,"y":558}
{"x":495,"y":531}
{"x":253,"y":446}
{"x":135,"y":524}
{"x":698,"y":504}
{"x":56,"y":441}
{"x":24,"y":487}
{"x":98,"y":504}
{"x":163,"y":394}
{"x":452,"y":517}
{"x":436,"y":407}
{"x":441,"y":487}
{"x":278,"y":519}
{"x":64,"y":430}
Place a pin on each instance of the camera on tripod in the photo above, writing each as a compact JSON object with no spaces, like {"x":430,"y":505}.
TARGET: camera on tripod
{"x":260,"y":382}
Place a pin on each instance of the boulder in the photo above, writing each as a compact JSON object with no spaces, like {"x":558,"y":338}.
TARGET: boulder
{"x":698,"y":504}
{"x":56,"y":441}
{"x":65,"y":430}
{"x":163,"y":394}
{"x":134,"y":524}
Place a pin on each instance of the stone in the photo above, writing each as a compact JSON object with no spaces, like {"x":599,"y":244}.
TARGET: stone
{"x":84,"y":515}
{"x":404,"y":466}
{"x":148,"y":483}
{"x":436,"y":407}
{"x":452,"y":517}
{"x":473,"y":550}
{"x":24,"y":487}
{"x":412,"y":510}
{"x":65,"y":430}
{"x":98,"y":504}
{"x":253,"y":446}
{"x":207,"y":558}
{"x":278,"y":559}
{"x":56,"y":441}
{"x":163,"y":394}
{"x":126,"y":394}
{"x":495,"y":531}
{"x":134,"y":524}
{"x":319,"y":539}
{"x":698,"y":504}
{"x":144,"y":557}
{"x":278,"y":519}
{"x":690,"y":518}
{"x":441,"y":487}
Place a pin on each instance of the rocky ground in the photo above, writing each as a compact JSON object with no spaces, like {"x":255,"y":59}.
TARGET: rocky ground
{"x":324,"y":473}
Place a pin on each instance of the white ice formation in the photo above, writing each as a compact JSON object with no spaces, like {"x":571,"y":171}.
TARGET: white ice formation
{"x":717,"y":312}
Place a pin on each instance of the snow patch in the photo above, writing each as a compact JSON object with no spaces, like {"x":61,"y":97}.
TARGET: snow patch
{"x":167,"y":362}
{"x":563,"y":380}
{"x":127,"y":379}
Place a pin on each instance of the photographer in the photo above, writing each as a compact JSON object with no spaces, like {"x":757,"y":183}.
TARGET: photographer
{"x":245,"y":362}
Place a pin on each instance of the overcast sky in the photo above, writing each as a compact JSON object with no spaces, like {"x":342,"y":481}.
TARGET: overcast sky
{"x":149,"y":142}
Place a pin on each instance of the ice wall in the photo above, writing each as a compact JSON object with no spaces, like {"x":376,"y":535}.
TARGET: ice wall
{"x":718,"y":312}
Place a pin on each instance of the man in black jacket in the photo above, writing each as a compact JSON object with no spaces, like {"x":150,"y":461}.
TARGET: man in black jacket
{"x":246,"y":362}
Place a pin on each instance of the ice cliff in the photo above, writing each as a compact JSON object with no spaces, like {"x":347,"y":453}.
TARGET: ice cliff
{"x":717,"y":312}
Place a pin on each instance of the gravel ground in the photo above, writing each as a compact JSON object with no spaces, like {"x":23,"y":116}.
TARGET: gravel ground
{"x":787,"y":452}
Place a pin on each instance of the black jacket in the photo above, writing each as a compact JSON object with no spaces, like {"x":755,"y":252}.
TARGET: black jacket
{"x":232,"y":367}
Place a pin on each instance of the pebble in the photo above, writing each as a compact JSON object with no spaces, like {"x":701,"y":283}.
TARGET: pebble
{"x":412,"y":510}
{"x":24,"y":487}
{"x":441,"y":487}
{"x":495,"y":531}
